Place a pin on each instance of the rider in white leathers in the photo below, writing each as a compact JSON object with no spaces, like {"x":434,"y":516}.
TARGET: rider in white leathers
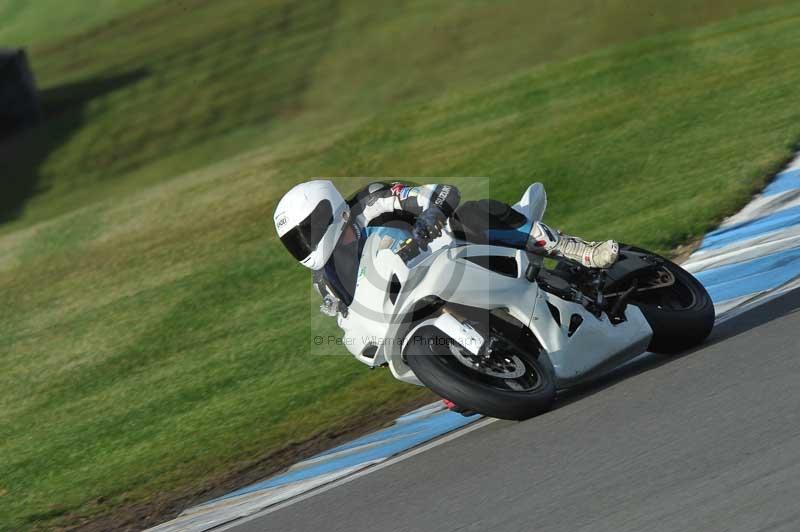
{"x":325,"y":232}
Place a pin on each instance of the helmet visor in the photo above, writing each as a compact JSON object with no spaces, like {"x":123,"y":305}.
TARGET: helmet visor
{"x":303,"y":239}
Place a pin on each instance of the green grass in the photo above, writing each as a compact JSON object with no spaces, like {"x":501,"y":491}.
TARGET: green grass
{"x":23,"y":22}
{"x":178,"y":85}
{"x":155,"y":334}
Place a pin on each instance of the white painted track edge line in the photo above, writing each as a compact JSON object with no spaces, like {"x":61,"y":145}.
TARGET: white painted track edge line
{"x":364,"y":472}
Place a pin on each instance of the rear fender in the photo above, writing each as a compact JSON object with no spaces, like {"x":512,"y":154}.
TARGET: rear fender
{"x":630,"y":264}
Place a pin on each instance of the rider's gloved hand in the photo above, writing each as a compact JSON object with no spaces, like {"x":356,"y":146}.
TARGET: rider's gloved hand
{"x":429,"y":226}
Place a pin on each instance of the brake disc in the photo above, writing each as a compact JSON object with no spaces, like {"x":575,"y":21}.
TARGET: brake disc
{"x":500,"y":366}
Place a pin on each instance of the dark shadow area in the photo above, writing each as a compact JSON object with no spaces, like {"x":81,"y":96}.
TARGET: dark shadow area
{"x":751,"y":319}
{"x":22,"y":156}
{"x":19,"y":100}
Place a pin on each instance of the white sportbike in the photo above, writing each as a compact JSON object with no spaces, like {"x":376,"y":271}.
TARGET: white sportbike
{"x":499,"y":331}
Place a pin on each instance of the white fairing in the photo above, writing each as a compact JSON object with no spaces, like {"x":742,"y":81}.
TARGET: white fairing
{"x":388,"y":290}
{"x":597,"y":345}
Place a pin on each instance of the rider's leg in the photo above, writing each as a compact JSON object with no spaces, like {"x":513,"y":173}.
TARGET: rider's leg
{"x":490,"y":222}
{"x":590,"y":254}
{"x":495,"y":222}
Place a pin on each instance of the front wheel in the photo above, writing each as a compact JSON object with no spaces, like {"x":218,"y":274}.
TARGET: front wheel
{"x":681,"y":314}
{"x":509,"y":383}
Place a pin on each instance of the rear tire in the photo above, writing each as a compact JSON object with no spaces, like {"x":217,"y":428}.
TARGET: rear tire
{"x":677,"y":329}
{"x":440,"y":371}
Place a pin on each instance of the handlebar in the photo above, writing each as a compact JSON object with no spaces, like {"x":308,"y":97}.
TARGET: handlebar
{"x":409,"y":250}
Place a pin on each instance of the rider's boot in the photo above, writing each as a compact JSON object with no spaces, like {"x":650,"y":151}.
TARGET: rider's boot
{"x":590,"y":254}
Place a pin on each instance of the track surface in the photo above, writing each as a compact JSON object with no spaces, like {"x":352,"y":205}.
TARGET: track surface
{"x":707,"y":441}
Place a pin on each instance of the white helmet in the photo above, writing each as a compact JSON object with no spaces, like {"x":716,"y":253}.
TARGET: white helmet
{"x":310,"y":219}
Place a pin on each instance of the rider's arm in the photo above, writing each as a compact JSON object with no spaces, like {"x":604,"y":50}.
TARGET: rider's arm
{"x":431,"y":206}
{"x":319,"y":282}
{"x":379,"y":199}
{"x":418,"y":199}
{"x":331,"y":302}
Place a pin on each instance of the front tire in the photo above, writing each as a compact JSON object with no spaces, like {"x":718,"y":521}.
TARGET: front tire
{"x":681,"y":315}
{"x":434,"y":363}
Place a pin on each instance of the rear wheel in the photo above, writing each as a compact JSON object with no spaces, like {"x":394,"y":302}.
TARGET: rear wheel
{"x":508,"y":383}
{"x":681,"y":314}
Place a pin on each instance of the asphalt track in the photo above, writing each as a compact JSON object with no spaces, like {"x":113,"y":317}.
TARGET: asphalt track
{"x":707,"y":441}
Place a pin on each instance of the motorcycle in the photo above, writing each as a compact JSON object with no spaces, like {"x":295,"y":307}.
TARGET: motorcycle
{"x":499,"y":331}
